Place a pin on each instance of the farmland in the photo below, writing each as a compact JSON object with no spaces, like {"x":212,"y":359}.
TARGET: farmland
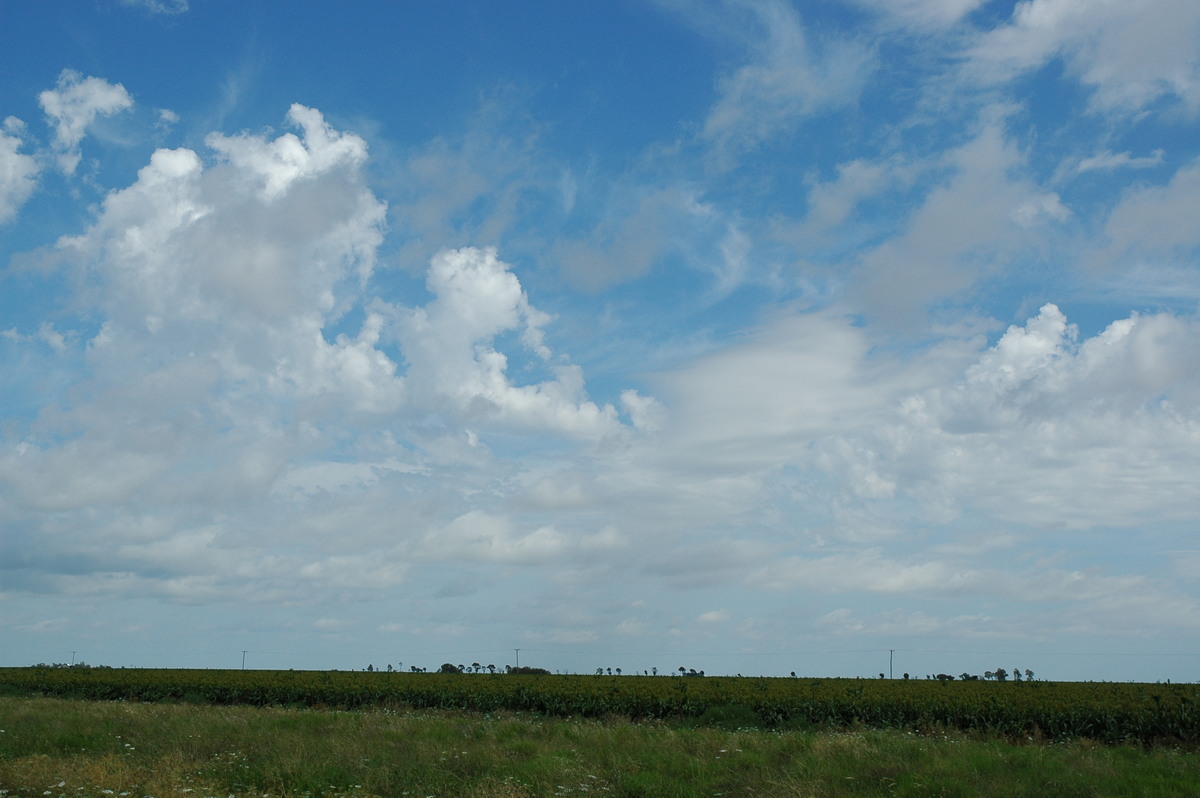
{"x":93,"y":733}
{"x":68,"y":748}
{"x":1111,"y":713}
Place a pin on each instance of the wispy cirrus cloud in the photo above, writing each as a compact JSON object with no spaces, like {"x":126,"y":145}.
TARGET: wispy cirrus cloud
{"x":783,"y":73}
{"x":1119,"y":160}
{"x":168,"y":7}
{"x":1128,"y":54}
{"x":788,"y":75}
{"x":923,"y":14}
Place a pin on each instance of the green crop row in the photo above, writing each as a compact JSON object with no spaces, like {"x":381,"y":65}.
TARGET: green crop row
{"x":1109,"y":712}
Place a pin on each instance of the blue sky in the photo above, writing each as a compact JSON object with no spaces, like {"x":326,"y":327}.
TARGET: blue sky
{"x":750,"y":336}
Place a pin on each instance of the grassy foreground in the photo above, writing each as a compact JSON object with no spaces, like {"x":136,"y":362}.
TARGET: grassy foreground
{"x":54,"y":747}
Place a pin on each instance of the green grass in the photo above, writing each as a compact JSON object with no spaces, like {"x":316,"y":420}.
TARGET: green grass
{"x":53,"y":747}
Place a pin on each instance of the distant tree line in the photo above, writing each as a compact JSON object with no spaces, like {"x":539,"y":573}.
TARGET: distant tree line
{"x":475,"y":667}
{"x":999,"y":675}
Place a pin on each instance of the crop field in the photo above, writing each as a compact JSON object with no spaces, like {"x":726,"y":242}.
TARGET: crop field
{"x":1111,"y":713}
{"x":72,"y":748}
{"x":133,"y":733}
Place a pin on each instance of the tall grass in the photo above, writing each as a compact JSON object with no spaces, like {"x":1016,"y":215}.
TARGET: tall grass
{"x":55,"y":748}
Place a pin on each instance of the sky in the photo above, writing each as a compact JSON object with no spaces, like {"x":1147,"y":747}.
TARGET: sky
{"x":836,"y":337}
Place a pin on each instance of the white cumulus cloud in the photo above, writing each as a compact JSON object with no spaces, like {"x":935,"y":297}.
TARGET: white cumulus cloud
{"x":1052,"y":431}
{"x":73,"y":105}
{"x":18,"y":171}
{"x":453,"y":364}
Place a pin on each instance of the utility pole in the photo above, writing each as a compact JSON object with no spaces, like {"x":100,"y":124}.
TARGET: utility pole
{"x":243,"y":660}
{"x":518,"y":656}
{"x":891,"y":651}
